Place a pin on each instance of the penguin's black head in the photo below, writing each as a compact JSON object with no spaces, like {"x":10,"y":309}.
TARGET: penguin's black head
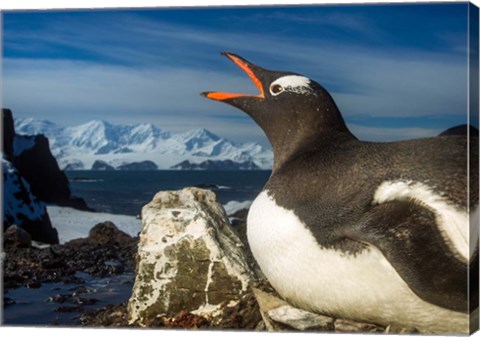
{"x":278,"y":89}
{"x":288,"y":105}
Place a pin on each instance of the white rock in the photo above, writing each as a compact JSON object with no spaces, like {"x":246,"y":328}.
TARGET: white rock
{"x":299,"y":319}
{"x":188,"y":256}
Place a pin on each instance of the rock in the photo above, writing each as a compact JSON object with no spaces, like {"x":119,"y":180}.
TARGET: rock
{"x":33,"y":284}
{"x":238,"y":221}
{"x":300,"y":319}
{"x":403,"y":330}
{"x":188,"y":257}
{"x":123,"y":150}
{"x":278,"y":315}
{"x":240,"y":214}
{"x":71,"y":164}
{"x":106,"y":233}
{"x":8,"y":134}
{"x":268,"y":302}
{"x":110,"y":316}
{"x":22,"y":208}
{"x":31,"y":176}
{"x":15,"y":237}
{"x":8,"y":301}
{"x":100,"y":165}
{"x":186,"y":320}
{"x":33,"y":159}
{"x":146,"y":165}
{"x":106,"y":251}
{"x":41,"y":170}
{"x":209,"y":164}
{"x":346,"y":325}
{"x":59,"y":298}
{"x":243,"y":314}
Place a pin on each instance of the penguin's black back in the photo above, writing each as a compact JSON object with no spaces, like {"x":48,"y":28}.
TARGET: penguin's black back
{"x":342,"y":177}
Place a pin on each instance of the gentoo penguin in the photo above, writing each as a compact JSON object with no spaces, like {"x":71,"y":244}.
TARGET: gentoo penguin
{"x":376,"y":232}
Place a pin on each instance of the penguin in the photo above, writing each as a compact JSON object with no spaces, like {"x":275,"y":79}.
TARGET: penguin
{"x":371,"y":231}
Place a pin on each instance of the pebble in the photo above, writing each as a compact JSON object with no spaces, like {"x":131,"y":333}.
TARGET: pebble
{"x":300,"y":319}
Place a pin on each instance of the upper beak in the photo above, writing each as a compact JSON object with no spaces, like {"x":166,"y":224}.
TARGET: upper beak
{"x":246,"y":66}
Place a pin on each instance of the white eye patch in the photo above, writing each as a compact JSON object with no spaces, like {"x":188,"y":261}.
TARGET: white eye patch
{"x":292,"y":83}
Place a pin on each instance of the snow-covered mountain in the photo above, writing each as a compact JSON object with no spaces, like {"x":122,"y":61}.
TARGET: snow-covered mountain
{"x":79,"y":147}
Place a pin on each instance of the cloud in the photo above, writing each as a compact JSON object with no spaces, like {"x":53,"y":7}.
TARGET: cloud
{"x":328,"y":19}
{"x":129,"y":68}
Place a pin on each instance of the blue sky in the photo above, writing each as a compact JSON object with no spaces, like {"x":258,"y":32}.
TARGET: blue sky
{"x":396,"y":71}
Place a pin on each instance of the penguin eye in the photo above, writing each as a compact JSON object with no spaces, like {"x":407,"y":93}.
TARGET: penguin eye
{"x":275,"y":89}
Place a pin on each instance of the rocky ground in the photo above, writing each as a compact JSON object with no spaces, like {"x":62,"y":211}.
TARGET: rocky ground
{"x":244,"y":315}
{"x":108,"y":251}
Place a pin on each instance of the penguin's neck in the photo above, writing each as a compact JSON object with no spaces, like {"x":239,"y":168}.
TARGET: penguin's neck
{"x":287,"y":149}
{"x":314,"y":133}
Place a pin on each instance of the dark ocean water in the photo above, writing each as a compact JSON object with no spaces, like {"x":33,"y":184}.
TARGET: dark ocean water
{"x":34,"y":307}
{"x":126,"y":192}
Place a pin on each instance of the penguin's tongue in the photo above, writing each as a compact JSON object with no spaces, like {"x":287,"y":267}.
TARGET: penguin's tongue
{"x":244,"y":65}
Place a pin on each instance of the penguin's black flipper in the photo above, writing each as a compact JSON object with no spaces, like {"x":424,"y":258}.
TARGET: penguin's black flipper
{"x":406,"y":234}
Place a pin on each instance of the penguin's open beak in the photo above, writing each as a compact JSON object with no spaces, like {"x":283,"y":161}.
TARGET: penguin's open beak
{"x":246,"y":66}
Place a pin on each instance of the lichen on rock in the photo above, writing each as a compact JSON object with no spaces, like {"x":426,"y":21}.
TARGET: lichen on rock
{"x":188,"y":256}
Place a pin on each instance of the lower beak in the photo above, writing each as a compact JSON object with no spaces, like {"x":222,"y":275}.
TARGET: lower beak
{"x":245,"y":66}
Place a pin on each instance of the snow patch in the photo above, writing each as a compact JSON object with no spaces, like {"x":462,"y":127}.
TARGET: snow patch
{"x":73,"y":224}
{"x":234,"y":206}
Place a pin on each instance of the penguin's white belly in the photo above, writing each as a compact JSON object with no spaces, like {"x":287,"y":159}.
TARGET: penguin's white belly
{"x":363,"y":286}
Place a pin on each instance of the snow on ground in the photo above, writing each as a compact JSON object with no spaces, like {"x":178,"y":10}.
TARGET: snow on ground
{"x":73,"y":224}
{"x":233,"y":206}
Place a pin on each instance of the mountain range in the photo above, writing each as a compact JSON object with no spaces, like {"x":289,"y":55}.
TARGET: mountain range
{"x":83,"y":146}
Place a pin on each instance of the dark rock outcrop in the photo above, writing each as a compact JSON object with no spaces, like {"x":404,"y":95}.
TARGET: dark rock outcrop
{"x":22,"y":208}
{"x":145,"y":165}
{"x":40,"y":169}
{"x":123,"y":150}
{"x":38,"y":166}
{"x":74,"y":165}
{"x":8,"y":134}
{"x":107,"y":233}
{"x":100,"y":165}
{"x":216,"y":165}
{"x":16,"y":237}
{"x":31,"y":178}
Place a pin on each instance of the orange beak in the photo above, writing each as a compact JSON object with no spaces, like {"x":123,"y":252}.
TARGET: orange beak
{"x":245,"y":66}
